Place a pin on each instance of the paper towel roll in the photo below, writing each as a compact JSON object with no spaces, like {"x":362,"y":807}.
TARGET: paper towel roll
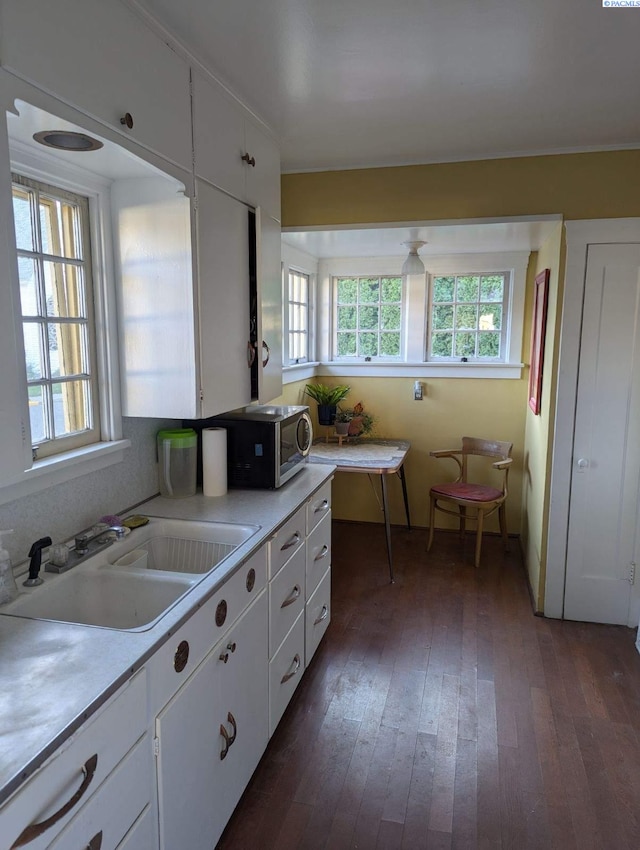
{"x":214,"y":461}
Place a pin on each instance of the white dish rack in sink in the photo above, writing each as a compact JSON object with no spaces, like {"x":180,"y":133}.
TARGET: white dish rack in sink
{"x":176,"y":555}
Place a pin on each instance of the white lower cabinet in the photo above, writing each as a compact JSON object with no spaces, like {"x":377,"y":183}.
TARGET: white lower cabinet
{"x":285,"y":672}
{"x":103,"y":823}
{"x":69,"y":791}
{"x":317,"y":615}
{"x":212,"y":734}
{"x":205,"y":705}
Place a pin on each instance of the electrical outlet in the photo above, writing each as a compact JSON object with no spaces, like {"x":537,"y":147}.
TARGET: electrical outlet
{"x":417,"y":391}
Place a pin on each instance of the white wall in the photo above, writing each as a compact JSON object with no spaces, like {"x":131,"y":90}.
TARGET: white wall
{"x":65,"y":509}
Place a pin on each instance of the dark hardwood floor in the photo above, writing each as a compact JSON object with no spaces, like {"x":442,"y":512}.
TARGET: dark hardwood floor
{"x":440,"y":713}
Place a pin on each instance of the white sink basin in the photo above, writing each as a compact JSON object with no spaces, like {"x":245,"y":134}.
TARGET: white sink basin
{"x":179,"y":546}
{"x":111,"y":599}
{"x":133,"y":582}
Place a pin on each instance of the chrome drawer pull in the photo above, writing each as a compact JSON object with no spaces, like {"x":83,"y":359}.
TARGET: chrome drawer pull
{"x":291,"y":598}
{"x":323,"y":616}
{"x":224,"y":656}
{"x":287,"y":676}
{"x":228,"y":740}
{"x":292,"y":541}
{"x":321,"y":507}
{"x":34,"y":830}
{"x":322,"y":553}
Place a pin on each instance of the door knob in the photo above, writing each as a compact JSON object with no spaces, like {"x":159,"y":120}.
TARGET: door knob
{"x":583,"y":464}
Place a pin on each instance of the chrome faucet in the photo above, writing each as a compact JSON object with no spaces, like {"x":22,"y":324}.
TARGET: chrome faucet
{"x":82,"y":541}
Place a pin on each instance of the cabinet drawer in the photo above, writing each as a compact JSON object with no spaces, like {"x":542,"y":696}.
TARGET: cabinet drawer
{"x":318,"y":506}
{"x":142,"y":835}
{"x":285,"y":672}
{"x":176,"y":660}
{"x":288,"y":538}
{"x":83,"y":761}
{"x":286,"y":599}
{"x":113,"y":809}
{"x":317,"y":615}
{"x":318,"y":553}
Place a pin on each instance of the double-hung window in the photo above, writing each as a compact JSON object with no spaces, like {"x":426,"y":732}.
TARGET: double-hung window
{"x":298,"y":301}
{"x":467,"y":319}
{"x":54,"y":267}
{"x":368,"y":317}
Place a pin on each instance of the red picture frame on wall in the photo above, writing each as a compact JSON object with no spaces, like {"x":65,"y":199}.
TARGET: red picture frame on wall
{"x":538,"y":329}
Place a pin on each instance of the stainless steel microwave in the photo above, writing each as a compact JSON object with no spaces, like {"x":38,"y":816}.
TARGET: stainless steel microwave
{"x":266,"y":444}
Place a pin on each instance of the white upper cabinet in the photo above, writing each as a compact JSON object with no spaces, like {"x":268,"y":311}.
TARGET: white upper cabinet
{"x":103,"y":59}
{"x":184,"y":325}
{"x":230,"y":150}
{"x":269,"y":307}
{"x":223,"y":288}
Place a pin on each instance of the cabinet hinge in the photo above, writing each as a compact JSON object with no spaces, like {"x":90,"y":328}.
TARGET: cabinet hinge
{"x":156,"y":747}
{"x":632,"y":572}
{"x":201,"y":394}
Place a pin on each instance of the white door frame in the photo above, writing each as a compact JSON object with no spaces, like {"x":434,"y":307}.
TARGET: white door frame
{"x":579,"y":235}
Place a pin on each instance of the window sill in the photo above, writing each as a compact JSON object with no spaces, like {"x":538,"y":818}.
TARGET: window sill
{"x":64,"y":467}
{"x":299,"y":372}
{"x":511,"y":371}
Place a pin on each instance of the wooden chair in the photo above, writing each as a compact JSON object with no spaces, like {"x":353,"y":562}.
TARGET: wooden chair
{"x":463,"y":494}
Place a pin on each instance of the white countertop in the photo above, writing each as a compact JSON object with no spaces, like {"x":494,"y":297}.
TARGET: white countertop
{"x":55,"y":675}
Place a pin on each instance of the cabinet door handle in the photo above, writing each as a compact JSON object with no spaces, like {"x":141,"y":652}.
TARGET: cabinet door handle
{"x":250,"y":160}
{"x":127,"y":120}
{"x":251,"y":354}
{"x":266,"y":348}
{"x":228,"y":739}
{"x":292,"y":541}
{"x":96,"y":842}
{"x":34,"y":830}
{"x":322,"y":553}
{"x":224,"y":656}
{"x":323,"y":615}
{"x":292,"y":673}
{"x":291,"y":598}
{"x":321,"y":507}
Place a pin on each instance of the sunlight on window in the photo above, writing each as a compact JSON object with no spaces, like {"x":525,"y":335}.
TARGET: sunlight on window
{"x":53,"y":265}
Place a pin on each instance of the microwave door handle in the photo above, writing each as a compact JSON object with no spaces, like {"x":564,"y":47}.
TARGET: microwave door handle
{"x":304,"y":450}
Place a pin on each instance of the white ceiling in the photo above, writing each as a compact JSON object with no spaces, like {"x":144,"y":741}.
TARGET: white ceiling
{"x":357,"y":83}
{"x":470,"y":238}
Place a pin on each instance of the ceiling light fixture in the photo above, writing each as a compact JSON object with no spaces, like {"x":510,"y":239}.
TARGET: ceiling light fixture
{"x":413,"y":264}
{"x":66,"y":140}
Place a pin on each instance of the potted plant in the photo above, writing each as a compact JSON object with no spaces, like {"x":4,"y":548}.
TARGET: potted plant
{"x":327,"y":399}
{"x":357,"y":420}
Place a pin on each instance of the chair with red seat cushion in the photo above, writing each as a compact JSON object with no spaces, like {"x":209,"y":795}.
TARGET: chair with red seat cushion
{"x":461,"y":495}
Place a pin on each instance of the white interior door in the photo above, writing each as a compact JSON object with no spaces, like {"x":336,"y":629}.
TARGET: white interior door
{"x":602,"y":541}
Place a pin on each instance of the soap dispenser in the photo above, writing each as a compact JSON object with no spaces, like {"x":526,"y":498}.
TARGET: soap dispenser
{"x":8,"y":588}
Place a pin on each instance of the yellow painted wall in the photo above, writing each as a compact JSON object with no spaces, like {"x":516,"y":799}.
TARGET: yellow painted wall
{"x":450,"y":410}
{"x":539,"y":429}
{"x":589,"y":185}
{"x":576,"y":186}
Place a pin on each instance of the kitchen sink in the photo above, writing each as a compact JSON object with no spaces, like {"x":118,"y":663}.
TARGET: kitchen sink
{"x":133,"y":582}
{"x":113,"y":600}
{"x":179,"y":546}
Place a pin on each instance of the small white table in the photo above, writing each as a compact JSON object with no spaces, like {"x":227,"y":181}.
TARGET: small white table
{"x":373,"y":457}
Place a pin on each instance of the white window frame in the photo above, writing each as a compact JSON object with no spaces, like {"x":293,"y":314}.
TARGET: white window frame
{"x":504,"y":329}
{"x":110,"y":448}
{"x":413,"y":363}
{"x":300,"y":261}
{"x":35,"y":189}
{"x":286,"y":327}
{"x":334,"y":325}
